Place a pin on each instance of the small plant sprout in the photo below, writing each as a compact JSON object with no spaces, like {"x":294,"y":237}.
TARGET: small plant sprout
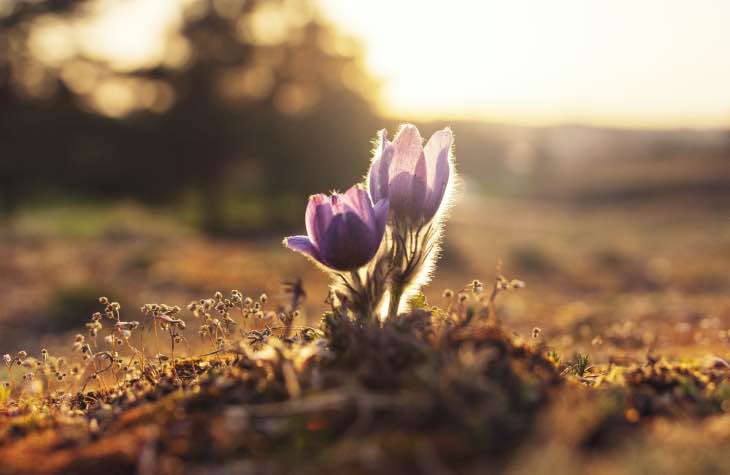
{"x":580,"y":366}
{"x":555,"y":357}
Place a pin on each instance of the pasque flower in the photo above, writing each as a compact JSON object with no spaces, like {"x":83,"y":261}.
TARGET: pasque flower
{"x":344,"y":231}
{"x":383,"y":243}
{"x":412,"y":177}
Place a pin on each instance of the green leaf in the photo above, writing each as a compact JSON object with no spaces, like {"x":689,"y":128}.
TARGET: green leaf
{"x":418,"y":301}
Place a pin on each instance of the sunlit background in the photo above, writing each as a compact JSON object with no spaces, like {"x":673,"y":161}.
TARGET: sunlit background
{"x":156,"y":150}
{"x":621,"y":63}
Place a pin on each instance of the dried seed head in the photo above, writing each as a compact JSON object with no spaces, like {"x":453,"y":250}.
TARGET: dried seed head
{"x":536,"y":332}
{"x":103,"y":300}
{"x":448,"y":294}
{"x":263,"y":298}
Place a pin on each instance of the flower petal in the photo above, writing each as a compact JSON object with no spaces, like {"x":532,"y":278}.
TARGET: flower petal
{"x":407,"y":195}
{"x":408,"y":172}
{"x":438,"y":169}
{"x":378,"y":176}
{"x":408,"y":151}
{"x":318,"y":217}
{"x":381,"y":217}
{"x":303,"y":245}
{"x":348,"y":242}
{"x":357,"y":200}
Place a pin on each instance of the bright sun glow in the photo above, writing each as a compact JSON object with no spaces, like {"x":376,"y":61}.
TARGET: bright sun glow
{"x":621,"y":62}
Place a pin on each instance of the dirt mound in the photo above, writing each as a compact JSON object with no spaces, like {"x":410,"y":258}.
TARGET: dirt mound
{"x":356,"y":398}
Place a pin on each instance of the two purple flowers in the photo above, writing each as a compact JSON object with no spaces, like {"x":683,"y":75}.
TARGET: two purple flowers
{"x":405,"y":191}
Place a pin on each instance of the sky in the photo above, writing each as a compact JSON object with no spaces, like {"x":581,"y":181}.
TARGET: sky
{"x":628,"y":63}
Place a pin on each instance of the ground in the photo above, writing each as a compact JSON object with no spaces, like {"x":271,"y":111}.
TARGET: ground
{"x":640,"y":289}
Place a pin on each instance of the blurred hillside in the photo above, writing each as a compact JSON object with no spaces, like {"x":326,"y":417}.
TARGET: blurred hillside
{"x":592,"y":164}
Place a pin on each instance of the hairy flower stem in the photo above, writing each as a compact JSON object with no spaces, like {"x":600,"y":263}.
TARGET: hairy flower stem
{"x":412,"y":256}
{"x":396,"y":293}
{"x":362,"y":290}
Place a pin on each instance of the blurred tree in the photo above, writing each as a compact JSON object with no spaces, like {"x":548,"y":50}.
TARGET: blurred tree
{"x":253,"y":105}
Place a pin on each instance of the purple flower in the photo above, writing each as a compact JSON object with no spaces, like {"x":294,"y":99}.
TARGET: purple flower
{"x":412,"y":177}
{"x":344,"y":231}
